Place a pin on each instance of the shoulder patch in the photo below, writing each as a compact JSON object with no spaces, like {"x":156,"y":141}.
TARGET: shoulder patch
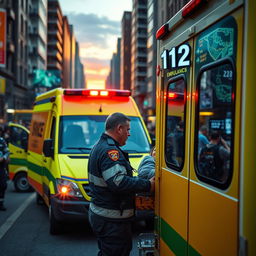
{"x":113,"y":154}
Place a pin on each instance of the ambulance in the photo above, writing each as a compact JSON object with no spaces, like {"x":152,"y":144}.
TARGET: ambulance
{"x":206,"y":78}
{"x":65,"y":125}
{"x":17,"y":166}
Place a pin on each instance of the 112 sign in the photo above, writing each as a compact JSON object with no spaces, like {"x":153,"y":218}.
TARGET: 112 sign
{"x":177,"y":57}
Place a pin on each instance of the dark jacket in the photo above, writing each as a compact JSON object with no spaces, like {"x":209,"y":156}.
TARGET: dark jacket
{"x":111,"y":183}
{"x":4,"y":152}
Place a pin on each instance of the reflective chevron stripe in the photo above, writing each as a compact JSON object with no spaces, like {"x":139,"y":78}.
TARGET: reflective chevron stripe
{"x":109,"y":213}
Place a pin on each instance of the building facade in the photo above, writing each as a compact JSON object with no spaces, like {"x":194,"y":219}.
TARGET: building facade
{"x":150,"y":99}
{"x":139,"y":53}
{"x":125,"y":54}
{"x":37,"y":42}
{"x":55,"y":40}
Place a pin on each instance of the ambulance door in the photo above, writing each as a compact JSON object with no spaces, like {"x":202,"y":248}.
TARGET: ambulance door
{"x":214,"y":169}
{"x":174,"y":154}
{"x":50,"y":170}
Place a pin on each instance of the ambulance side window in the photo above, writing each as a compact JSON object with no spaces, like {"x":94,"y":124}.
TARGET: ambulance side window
{"x":215,"y":121}
{"x":175,"y":127}
{"x":18,"y":137}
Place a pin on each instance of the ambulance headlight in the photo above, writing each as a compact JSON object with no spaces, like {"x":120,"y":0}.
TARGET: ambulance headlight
{"x":68,"y":188}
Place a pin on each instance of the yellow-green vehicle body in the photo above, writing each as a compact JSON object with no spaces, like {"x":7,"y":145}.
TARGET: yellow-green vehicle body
{"x":18,"y":157}
{"x":72,"y":121}
{"x":206,"y":57}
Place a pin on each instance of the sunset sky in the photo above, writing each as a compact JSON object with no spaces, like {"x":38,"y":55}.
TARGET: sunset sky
{"x":97,"y":25}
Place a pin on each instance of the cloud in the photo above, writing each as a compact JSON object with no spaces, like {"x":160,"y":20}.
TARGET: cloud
{"x":95,"y":63}
{"x":96,"y":70}
{"x":93,"y":30}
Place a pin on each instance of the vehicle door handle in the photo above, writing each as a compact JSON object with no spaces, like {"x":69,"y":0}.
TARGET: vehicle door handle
{"x":45,"y":160}
{"x":18,"y":151}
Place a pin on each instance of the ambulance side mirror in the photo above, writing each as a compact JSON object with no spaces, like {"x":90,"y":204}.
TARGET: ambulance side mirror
{"x":48,"y":148}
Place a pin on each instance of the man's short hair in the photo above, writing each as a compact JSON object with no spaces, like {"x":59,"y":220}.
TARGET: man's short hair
{"x":203,"y":128}
{"x":116,"y":119}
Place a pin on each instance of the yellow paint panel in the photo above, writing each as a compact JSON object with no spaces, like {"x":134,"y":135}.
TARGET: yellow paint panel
{"x":174,"y":198}
{"x":213,"y":227}
{"x":38,"y":127}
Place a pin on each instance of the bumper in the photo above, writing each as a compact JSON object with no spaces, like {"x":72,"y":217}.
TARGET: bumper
{"x":67,"y":210}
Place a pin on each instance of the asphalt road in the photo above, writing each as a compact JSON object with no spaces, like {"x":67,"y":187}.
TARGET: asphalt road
{"x":24,"y":231}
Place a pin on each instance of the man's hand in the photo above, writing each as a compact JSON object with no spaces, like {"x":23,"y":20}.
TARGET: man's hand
{"x":152,"y":183}
{"x":1,"y":159}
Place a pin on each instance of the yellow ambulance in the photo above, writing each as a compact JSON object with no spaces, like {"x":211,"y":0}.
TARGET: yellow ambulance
{"x":65,"y":125}
{"x":205,"y":199}
{"x":18,"y":157}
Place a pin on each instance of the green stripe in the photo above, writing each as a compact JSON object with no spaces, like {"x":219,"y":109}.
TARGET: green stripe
{"x":18,"y":161}
{"x":175,"y":241}
{"x":42,"y":171}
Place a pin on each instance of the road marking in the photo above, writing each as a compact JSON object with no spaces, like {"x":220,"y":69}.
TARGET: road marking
{"x":11,"y":220}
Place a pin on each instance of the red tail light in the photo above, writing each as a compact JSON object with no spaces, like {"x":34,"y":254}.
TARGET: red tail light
{"x":191,"y":6}
{"x":172,"y":95}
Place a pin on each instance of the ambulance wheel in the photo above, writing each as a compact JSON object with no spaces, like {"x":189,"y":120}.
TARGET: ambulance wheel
{"x":54,"y":224}
{"x":21,"y":183}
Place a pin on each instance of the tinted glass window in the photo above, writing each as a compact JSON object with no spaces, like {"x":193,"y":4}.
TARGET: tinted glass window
{"x":78,"y":134}
{"x":18,"y":137}
{"x":175,"y":132}
{"x":215,"y":124}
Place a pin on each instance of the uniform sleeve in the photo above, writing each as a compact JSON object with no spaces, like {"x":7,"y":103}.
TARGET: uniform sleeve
{"x":117,"y":179}
{"x":147,"y":167}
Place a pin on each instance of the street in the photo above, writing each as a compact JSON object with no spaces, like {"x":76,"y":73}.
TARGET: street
{"x":24,"y":230}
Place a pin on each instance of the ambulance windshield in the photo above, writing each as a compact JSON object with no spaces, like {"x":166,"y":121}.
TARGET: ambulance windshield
{"x":78,"y":134}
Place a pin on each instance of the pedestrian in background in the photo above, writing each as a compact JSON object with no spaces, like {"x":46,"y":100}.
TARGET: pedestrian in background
{"x":4,"y":158}
{"x":113,"y":188}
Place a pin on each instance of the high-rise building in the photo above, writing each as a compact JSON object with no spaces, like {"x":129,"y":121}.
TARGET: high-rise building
{"x":14,"y":61}
{"x":139,"y":52}
{"x":66,"y":53}
{"x":113,"y":79}
{"x":79,"y":70}
{"x":37,"y":40}
{"x":150,"y":100}
{"x":72,"y":56}
{"x":55,"y":38}
{"x":125,"y":55}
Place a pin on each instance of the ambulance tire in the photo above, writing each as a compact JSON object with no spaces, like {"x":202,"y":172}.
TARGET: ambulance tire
{"x":54,"y":224}
{"x":21,"y":183}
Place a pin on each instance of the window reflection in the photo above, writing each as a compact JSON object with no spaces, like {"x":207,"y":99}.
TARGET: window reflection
{"x":215,"y":124}
{"x":175,"y":138}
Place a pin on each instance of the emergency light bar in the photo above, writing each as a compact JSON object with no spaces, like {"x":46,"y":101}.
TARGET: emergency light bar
{"x":188,"y":9}
{"x":161,"y":32}
{"x":191,"y":6}
{"x":97,"y":93}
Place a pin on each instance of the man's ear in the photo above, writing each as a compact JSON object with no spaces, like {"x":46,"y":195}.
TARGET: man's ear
{"x":119,"y":128}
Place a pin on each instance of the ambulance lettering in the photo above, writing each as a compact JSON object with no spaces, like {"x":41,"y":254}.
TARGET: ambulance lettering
{"x":177,"y":57}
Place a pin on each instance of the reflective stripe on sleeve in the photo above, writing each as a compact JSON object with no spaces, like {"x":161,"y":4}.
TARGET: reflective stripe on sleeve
{"x":117,"y":170}
{"x":109,"y":213}
{"x":97,"y":181}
